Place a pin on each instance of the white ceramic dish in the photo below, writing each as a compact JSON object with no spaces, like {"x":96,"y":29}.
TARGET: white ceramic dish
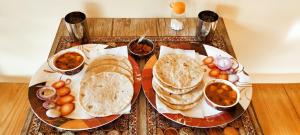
{"x":72,"y":71}
{"x":221,"y":107}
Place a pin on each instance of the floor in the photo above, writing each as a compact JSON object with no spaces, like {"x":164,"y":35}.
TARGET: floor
{"x":277,"y":107}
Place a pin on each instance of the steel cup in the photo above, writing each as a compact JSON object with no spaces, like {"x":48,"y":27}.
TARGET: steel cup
{"x":206,"y":26}
{"x":77,"y":27}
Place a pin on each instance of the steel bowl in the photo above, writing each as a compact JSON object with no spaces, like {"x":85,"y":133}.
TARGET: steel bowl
{"x":144,"y":41}
{"x":217,"y":106}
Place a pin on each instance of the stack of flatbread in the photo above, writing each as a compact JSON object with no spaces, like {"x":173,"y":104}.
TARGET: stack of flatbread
{"x":177,"y":81}
{"x":107,"y":86}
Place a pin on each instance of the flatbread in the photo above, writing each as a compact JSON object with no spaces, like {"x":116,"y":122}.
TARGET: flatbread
{"x":170,"y":89}
{"x":108,"y":68}
{"x":179,"y":99}
{"x":105,"y":94}
{"x":179,"y":107}
{"x":111,"y":59}
{"x":178,"y":71}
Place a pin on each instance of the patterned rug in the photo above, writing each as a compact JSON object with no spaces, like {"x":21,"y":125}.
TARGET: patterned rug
{"x":156,"y":123}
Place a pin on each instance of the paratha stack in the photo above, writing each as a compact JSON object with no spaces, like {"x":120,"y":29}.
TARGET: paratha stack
{"x":107,"y":86}
{"x":177,"y":81}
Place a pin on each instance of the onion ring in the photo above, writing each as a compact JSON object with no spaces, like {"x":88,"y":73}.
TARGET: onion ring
{"x":46,"y":92}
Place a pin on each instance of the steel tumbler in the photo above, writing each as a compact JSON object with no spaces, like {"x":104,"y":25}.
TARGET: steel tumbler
{"x":206,"y":26}
{"x":77,"y":27}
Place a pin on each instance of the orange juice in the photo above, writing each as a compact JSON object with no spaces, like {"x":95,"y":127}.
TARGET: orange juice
{"x":178,"y":7}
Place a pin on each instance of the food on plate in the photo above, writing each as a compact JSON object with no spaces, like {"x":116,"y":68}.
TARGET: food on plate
{"x":214,"y":72}
{"x":208,"y":60}
{"x":63,"y":91}
{"x":109,"y":59}
{"x":107,"y":86}
{"x":108,"y":68}
{"x":223,"y":75}
{"x":223,"y":72}
{"x":179,"y":106}
{"x":61,"y":98}
{"x":230,"y":131}
{"x":49,"y":105}
{"x":223,"y":63}
{"x":178,"y":71}
{"x":143,"y":48}
{"x":171,"y":131}
{"x":65,"y":99}
{"x":140,"y":48}
{"x":69,"y":60}
{"x":236,"y":67}
{"x":178,"y":81}
{"x":110,"y":63}
{"x":222,"y":68}
{"x":221,"y":94}
{"x":211,"y":65}
{"x":46,"y":93}
{"x":170,"y":89}
{"x":61,"y":83}
{"x":105,"y":93}
{"x":57,"y":96}
{"x":53,"y":113}
{"x":66,"y":109}
{"x":233,"y":78}
{"x":180,"y":99}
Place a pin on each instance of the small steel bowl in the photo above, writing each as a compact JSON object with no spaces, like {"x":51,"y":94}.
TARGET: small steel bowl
{"x":221,"y":107}
{"x":144,"y":41}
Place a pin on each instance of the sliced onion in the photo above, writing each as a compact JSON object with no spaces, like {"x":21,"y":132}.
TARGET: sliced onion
{"x":223,"y":63}
{"x":68,"y":81}
{"x":233,"y":78}
{"x":235,"y":63}
{"x":53,"y":113}
{"x":49,"y":105}
{"x":46,"y":92}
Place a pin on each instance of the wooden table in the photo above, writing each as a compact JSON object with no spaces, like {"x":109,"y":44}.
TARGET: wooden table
{"x":276,"y":105}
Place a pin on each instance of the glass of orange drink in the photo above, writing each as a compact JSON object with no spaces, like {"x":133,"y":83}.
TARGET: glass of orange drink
{"x":178,"y":8}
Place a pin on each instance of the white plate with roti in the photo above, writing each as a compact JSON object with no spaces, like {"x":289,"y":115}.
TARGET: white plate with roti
{"x":174,"y":85}
{"x":103,"y":90}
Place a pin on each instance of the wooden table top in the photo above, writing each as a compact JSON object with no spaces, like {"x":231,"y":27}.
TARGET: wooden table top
{"x":277,"y":106}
